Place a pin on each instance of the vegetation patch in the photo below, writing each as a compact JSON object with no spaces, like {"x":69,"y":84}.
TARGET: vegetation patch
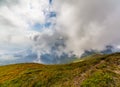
{"x":93,"y":71}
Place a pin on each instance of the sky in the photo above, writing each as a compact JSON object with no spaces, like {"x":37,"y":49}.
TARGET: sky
{"x":33,"y":28}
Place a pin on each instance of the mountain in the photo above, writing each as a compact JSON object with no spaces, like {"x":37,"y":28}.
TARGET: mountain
{"x":97,"y":70}
{"x":108,"y":50}
{"x":25,"y":56}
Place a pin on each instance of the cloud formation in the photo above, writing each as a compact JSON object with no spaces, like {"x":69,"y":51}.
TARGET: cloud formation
{"x":83,"y":25}
{"x":89,"y":24}
{"x":58,"y":26}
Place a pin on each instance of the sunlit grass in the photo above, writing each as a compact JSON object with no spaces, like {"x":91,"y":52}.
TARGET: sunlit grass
{"x":93,"y":71}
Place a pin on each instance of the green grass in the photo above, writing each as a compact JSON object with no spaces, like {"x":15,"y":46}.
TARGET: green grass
{"x":93,"y":71}
{"x":99,"y":79}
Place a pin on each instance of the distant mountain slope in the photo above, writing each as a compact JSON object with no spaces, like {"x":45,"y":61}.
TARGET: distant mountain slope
{"x":95,"y":71}
{"x":108,"y":50}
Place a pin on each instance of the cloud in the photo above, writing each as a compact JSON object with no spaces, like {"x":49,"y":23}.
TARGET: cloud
{"x":94,"y":22}
{"x":59,"y":26}
{"x":83,"y":25}
{"x":8,"y":2}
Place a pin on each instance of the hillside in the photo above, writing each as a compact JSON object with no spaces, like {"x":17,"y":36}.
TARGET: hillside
{"x":94,"y":71}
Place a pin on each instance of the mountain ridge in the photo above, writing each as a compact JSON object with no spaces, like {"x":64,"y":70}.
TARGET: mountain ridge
{"x":95,"y":71}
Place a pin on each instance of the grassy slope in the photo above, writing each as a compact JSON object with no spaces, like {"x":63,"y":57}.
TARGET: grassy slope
{"x":95,"y":71}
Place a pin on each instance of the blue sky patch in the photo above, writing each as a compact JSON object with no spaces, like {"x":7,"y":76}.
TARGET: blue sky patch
{"x":50,"y":1}
{"x":48,"y":24}
{"x":52,"y":14}
{"x":37,"y":26}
